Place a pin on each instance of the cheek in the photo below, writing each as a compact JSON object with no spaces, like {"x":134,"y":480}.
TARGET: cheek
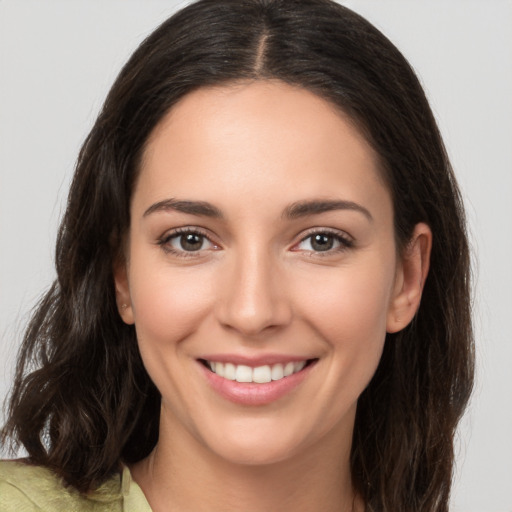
{"x":168,"y":303}
{"x":351,"y":300}
{"x":348,"y":309}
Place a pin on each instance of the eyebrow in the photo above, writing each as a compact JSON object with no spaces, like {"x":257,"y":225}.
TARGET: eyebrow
{"x":294,"y":211}
{"x":191,"y":207}
{"x":314,"y":207}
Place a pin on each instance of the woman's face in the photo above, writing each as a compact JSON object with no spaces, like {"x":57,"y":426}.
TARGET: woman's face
{"x":261,"y":247}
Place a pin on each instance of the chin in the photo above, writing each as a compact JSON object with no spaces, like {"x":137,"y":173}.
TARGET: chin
{"x":255,"y":454}
{"x":263,"y":442}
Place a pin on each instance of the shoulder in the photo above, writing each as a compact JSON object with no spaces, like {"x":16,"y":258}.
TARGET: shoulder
{"x":28,"y":488}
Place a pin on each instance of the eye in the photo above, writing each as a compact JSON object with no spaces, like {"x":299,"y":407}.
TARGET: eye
{"x":324,"y":241}
{"x":185,"y":242}
{"x":188,"y":242}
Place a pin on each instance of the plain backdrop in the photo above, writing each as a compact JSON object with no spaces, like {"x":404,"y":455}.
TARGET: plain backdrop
{"x":57,"y":61}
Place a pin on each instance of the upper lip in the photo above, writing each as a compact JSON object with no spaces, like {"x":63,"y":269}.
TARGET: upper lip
{"x":255,"y":361}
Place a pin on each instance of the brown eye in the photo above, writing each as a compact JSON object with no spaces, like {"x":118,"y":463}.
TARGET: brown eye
{"x":324,"y":241}
{"x":190,"y":242}
{"x":186,"y":241}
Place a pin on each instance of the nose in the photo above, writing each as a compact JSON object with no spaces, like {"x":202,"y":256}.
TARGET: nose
{"x":253,"y":299}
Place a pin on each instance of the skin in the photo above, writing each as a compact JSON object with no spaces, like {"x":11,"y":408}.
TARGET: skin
{"x":258,"y":285}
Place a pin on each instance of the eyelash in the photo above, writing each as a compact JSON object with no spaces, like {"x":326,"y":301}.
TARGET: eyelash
{"x":344,"y":241}
{"x":165,"y":240}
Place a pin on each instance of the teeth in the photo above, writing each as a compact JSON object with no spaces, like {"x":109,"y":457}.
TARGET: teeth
{"x":219,"y":369}
{"x":229,"y":371}
{"x":277,"y":372}
{"x":297,"y":367}
{"x":260,"y":374}
{"x":243,"y":373}
{"x":288,"y":369}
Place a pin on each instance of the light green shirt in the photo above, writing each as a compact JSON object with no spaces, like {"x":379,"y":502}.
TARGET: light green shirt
{"x":26,"y":488}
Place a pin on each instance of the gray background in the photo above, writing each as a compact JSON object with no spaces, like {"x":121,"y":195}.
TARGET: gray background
{"x":57,"y":60}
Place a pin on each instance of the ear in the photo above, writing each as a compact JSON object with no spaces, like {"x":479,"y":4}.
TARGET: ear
{"x":410,"y":278}
{"x":123,"y":299}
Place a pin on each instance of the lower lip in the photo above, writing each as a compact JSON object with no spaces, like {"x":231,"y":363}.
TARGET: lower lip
{"x":250,"y":393}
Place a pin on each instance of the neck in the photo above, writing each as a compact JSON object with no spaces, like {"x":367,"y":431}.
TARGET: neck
{"x":182,"y":475}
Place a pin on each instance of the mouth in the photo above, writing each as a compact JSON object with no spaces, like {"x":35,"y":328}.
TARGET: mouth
{"x":259,"y":374}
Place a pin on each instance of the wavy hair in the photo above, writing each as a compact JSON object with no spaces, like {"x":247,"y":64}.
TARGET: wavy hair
{"x":82,"y":401}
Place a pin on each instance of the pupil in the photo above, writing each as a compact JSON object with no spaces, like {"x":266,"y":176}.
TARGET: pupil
{"x":191,"y":242}
{"x":322,"y":242}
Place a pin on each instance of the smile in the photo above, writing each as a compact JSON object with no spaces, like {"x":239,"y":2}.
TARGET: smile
{"x":259,"y":374}
{"x":255,"y":382}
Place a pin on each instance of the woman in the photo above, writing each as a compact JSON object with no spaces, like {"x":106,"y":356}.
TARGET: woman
{"x":259,"y":210}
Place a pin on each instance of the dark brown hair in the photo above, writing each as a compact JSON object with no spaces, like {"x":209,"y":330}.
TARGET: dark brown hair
{"x":82,"y":401}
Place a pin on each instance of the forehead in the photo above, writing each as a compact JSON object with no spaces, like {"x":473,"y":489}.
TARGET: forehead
{"x":258,"y":135}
